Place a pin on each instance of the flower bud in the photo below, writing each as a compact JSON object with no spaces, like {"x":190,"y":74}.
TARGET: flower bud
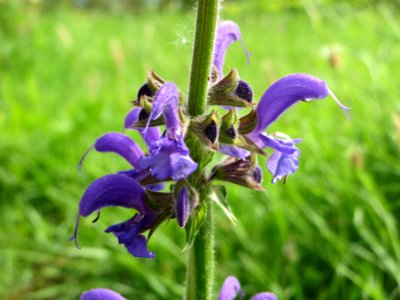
{"x":186,"y":199}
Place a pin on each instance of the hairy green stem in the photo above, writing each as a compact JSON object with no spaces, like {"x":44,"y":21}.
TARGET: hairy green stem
{"x":207,"y":13}
{"x":200,"y":269}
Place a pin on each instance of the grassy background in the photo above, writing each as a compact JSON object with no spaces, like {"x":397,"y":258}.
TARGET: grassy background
{"x":66,"y":77}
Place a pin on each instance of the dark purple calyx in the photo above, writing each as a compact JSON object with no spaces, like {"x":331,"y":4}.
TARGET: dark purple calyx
{"x":231,"y":132}
{"x":143,"y":115}
{"x":211,"y":131}
{"x":183,"y":206}
{"x":145,"y":90}
{"x":243,"y":91}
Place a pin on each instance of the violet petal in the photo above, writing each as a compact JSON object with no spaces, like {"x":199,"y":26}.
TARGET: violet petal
{"x":227,"y":33}
{"x":112,"y":190}
{"x":284,"y":93}
{"x":169,"y":159}
{"x":151,"y":135}
{"x":101,"y":294}
{"x":138,"y":248}
{"x":166,"y":102}
{"x":234,"y":151}
{"x":262,"y":140}
{"x":230,"y":289}
{"x":282,"y":164}
{"x":120,"y":144}
{"x":132,"y":117}
{"x":264,"y":296}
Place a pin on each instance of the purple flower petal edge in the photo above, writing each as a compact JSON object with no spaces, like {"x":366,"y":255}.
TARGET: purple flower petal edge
{"x":282,"y":165}
{"x":150,"y":135}
{"x":112,"y":190}
{"x":169,"y":159}
{"x":101,"y":294}
{"x":121,"y":144}
{"x":230,"y":289}
{"x":227,"y":33}
{"x":264,"y":296}
{"x":284,"y":93}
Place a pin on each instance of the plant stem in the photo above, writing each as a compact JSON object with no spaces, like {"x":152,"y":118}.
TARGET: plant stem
{"x":207,"y":12}
{"x":200,"y":269}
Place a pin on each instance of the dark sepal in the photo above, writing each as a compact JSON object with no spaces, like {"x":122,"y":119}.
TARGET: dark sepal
{"x":200,"y":152}
{"x":163,"y":216}
{"x":230,"y":91}
{"x":228,"y":132}
{"x":243,"y":172}
{"x":159,"y":201}
{"x":206,"y":129}
{"x":244,"y":142}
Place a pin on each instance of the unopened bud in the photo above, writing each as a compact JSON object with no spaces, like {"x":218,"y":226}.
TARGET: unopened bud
{"x":185,"y":200}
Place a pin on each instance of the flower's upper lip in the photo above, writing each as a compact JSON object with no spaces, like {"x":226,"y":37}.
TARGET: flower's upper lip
{"x":227,"y":33}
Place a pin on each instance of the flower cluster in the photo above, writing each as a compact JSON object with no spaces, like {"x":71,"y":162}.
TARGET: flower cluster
{"x":181,"y":146}
{"x":229,"y":291}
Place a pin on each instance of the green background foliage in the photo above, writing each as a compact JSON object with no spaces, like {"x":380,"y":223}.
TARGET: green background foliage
{"x":67,"y":74}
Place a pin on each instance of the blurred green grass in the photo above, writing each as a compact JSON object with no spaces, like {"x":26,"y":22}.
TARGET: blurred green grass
{"x":331,"y":232}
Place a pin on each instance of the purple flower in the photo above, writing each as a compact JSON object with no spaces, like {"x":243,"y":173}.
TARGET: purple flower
{"x":227,"y":33}
{"x":121,"y":190}
{"x":151,"y":135}
{"x":281,"y":95}
{"x":101,"y":294}
{"x":231,"y":288}
{"x":169,"y":156}
{"x":169,"y":159}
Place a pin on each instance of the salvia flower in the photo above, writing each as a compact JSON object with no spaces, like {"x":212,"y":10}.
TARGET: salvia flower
{"x":281,"y":95}
{"x":168,"y":160}
{"x":162,"y":181}
{"x":231,"y":289}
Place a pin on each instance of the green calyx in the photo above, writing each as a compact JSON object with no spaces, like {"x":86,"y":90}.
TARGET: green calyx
{"x":228,"y":132}
{"x":248,"y":122}
{"x":243,"y":172}
{"x":206,"y":129}
{"x":224,"y":92}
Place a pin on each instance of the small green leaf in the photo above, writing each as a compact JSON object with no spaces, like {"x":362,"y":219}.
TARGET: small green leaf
{"x":196,"y":220}
{"x":219,"y":196}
